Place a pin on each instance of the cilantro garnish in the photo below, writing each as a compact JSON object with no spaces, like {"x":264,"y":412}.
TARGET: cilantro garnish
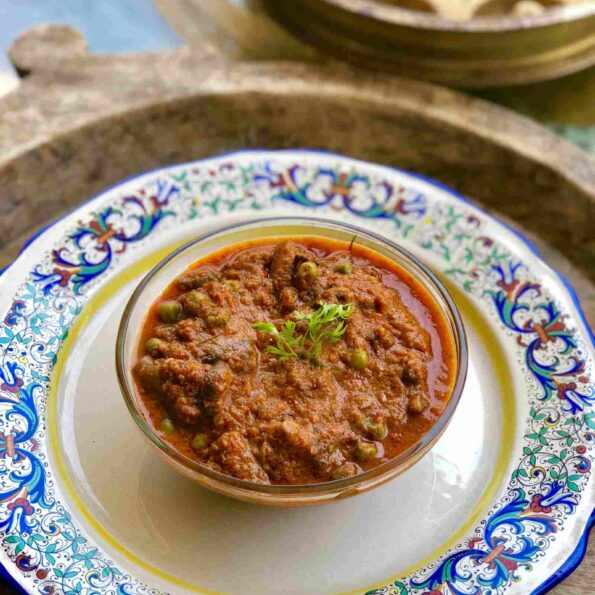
{"x":327,"y":323}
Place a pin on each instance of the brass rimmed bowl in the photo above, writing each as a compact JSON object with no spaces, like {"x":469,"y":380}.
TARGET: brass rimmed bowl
{"x":482,"y":51}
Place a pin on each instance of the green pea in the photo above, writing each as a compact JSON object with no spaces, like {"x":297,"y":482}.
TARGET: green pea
{"x":218,"y":319}
{"x":200,"y":441}
{"x":195,"y":301}
{"x":194,"y":280}
{"x":148,"y":371}
{"x":153,"y":346}
{"x":234,"y":285}
{"x":358,"y":359}
{"x":344,"y":268}
{"x":366,"y":451}
{"x":169,"y":311}
{"x":306,"y":274}
{"x":167,"y":426}
{"x":378,"y":431}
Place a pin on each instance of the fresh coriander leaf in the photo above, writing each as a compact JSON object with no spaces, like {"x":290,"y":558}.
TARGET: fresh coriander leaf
{"x":265,"y":327}
{"x":319,"y":329}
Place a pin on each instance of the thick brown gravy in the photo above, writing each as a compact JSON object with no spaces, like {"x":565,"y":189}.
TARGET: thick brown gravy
{"x":212,"y":388}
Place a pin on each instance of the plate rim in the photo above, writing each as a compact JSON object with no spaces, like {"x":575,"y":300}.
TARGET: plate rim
{"x":427,"y":179}
{"x":577,"y":555}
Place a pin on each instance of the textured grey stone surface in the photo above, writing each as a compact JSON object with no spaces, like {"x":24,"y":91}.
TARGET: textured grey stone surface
{"x":79,"y":123}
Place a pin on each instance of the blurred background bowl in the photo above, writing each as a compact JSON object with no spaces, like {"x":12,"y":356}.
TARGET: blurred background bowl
{"x":472,"y":44}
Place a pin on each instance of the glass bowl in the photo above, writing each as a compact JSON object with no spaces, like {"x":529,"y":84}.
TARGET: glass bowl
{"x":168,"y":269}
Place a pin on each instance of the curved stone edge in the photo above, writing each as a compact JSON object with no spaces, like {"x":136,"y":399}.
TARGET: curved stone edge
{"x":46,"y":45}
{"x":483,"y":150}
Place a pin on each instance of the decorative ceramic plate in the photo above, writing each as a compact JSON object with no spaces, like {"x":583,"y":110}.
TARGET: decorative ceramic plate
{"x":502,"y":503}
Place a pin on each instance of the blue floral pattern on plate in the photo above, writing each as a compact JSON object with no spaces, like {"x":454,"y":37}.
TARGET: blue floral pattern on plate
{"x":38,"y":534}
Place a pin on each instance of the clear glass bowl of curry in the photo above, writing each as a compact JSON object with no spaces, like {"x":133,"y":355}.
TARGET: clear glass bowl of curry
{"x":291,"y":361}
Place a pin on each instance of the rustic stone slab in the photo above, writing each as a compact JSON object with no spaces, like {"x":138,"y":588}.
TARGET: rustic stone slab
{"x":79,"y":123}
